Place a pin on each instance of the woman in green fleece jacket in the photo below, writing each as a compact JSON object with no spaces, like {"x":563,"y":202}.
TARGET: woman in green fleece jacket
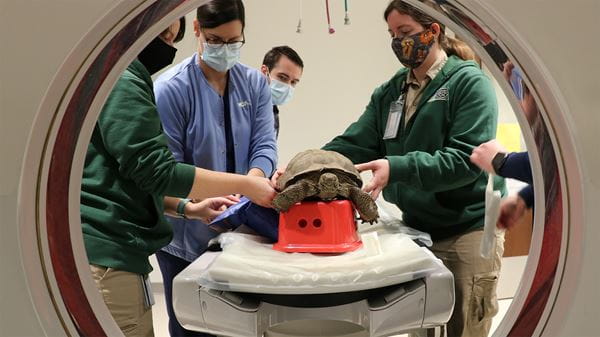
{"x":416,"y":136}
{"x":128,"y":174}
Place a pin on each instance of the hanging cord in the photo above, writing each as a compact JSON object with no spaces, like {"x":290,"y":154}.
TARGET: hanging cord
{"x":346,"y":17}
{"x":299,"y":27}
{"x":331,"y":30}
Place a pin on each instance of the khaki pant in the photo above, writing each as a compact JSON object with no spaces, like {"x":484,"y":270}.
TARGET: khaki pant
{"x":123,"y":293}
{"x":475,"y":280}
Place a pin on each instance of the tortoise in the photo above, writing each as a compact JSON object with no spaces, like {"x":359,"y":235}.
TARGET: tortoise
{"x":324,"y":175}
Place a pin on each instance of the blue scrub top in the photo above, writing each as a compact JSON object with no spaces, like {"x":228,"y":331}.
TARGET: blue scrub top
{"x":192,"y":113}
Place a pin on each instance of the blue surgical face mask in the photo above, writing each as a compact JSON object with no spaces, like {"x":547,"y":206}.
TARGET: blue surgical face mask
{"x":281,"y":93}
{"x":221,"y":58}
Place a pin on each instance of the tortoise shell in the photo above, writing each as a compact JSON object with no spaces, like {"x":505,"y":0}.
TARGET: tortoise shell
{"x":315,"y":160}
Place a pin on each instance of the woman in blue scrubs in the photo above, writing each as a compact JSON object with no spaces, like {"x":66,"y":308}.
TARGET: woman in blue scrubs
{"x":217,"y":114}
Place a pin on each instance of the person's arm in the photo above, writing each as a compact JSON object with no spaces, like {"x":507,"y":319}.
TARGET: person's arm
{"x":526,"y":193}
{"x":204,"y":210}
{"x":361,"y":142}
{"x":483,"y":155}
{"x":256,"y":172}
{"x":132,"y":135}
{"x":517,"y":166}
{"x":263,"y":146}
{"x":473,"y":118}
{"x":170,"y":204}
{"x":212,"y":184}
{"x":169,"y":103}
{"x":512,"y":208}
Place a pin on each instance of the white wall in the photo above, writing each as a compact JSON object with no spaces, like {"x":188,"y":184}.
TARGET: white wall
{"x":341,"y":70}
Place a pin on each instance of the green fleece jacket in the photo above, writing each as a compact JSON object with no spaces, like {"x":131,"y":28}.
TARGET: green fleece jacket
{"x":431,"y":177}
{"x":128,"y":169}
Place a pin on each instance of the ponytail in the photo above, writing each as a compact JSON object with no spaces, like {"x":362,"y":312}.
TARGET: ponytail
{"x":456,"y":47}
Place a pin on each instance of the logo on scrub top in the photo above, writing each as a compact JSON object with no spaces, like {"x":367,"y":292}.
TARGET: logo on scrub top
{"x":243,"y":104}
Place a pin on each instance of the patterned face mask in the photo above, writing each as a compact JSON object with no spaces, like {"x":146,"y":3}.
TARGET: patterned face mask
{"x":412,"y":50}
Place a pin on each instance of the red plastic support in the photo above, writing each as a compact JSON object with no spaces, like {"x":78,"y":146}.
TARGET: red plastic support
{"x":318,"y":227}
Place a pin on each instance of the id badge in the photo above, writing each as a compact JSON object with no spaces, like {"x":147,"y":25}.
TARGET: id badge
{"x":394,"y":118}
{"x":148,"y":294}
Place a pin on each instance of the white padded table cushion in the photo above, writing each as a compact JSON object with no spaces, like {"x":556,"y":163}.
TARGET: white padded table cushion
{"x":248,"y":265}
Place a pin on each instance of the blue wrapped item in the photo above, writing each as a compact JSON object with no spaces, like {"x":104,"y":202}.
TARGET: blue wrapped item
{"x":264,"y":221}
{"x":516,"y":82}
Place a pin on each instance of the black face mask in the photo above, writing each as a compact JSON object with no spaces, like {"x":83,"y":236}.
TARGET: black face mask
{"x":157,"y":55}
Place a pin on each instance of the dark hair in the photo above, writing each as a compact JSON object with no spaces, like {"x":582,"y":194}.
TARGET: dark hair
{"x":274,"y":55}
{"x":218,"y":12}
{"x":451,"y":46}
{"x":181,"y":32}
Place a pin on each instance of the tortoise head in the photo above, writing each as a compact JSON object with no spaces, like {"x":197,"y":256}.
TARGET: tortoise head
{"x":328,"y":186}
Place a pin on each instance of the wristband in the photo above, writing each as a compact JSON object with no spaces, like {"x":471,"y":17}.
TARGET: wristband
{"x":498,"y":161}
{"x":181,"y":207}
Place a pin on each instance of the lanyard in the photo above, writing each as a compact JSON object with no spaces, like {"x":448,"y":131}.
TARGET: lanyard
{"x":229,"y":142}
{"x":395,"y":114}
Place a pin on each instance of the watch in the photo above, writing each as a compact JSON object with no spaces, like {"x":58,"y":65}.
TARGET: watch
{"x":498,"y":161}
{"x":181,"y":207}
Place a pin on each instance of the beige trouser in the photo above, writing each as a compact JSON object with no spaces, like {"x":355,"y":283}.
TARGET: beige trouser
{"x":475,"y":280}
{"x":123,"y":293}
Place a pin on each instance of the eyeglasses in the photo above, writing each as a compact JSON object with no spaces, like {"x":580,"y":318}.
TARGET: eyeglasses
{"x":218,"y":43}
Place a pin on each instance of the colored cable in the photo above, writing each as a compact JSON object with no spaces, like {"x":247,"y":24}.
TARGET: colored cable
{"x":331,"y":30}
{"x":347,"y":16}
{"x":299,"y":27}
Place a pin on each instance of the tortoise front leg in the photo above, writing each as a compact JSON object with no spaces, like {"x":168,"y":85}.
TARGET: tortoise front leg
{"x":293,"y":194}
{"x":365,"y":205}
